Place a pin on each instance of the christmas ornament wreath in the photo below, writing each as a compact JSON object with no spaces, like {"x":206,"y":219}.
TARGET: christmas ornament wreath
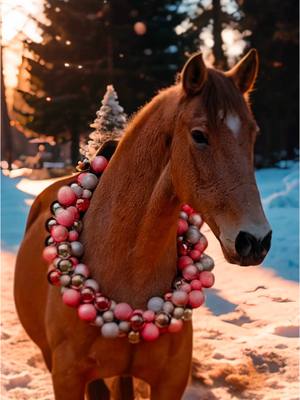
{"x":63,"y":252}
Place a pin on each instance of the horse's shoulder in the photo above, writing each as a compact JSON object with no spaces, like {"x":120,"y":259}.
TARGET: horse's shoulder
{"x":43,"y":201}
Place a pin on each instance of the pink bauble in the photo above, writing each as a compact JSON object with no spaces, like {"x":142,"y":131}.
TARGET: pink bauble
{"x":74,"y":211}
{"x":59,"y":233}
{"x":123,"y":311}
{"x":71,"y":297}
{"x":65,"y":218}
{"x":190,"y":272}
{"x":66,"y":196}
{"x":99,"y":164}
{"x":186,"y":287}
{"x":149,"y":315}
{"x":196,"y":284}
{"x":196,"y":298}
{"x":182,"y":226}
{"x":201,"y":244}
{"x":150,"y":332}
{"x":175,"y":325}
{"x":49,"y":253}
{"x":184,"y":261}
{"x":179,"y":298}
{"x":195,"y":255}
{"x":80,"y":177}
{"x":73,"y":236}
{"x":207,"y":279}
{"x":188,"y":209}
{"x":87,"y":312}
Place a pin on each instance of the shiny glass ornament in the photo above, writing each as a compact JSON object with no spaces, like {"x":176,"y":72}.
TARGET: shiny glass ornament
{"x":137,"y":322}
{"x":65,"y":266}
{"x":64,"y":250}
{"x":162,"y":320}
{"x":77,"y":281}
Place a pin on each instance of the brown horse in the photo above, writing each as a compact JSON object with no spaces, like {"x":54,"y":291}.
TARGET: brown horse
{"x":192,"y":143}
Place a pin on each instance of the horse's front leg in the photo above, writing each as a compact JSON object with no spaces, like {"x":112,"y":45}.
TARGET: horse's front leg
{"x":173,"y":378}
{"x":68,"y":379}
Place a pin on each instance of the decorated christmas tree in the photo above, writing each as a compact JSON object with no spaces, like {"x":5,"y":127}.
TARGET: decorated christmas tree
{"x":108,"y":125}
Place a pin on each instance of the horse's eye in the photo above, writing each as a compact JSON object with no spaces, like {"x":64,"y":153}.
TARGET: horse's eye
{"x":199,"y":137}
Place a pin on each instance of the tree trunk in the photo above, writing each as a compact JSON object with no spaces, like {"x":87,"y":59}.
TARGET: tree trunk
{"x":220,"y":59}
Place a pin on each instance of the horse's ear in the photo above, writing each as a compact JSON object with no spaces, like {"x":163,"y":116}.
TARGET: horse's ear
{"x":244,"y":73}
{"x":194,"y":74}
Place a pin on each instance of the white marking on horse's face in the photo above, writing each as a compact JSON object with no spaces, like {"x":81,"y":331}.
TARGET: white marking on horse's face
{"x":233,"y":122}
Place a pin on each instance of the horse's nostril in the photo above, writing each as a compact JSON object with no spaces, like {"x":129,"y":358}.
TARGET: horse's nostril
{"x":266,"y":242}
{"x":245,"y":244}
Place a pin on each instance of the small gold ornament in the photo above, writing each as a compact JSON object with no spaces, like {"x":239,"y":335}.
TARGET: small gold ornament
{"x":133,"y":337}
{"x":187,"y":315}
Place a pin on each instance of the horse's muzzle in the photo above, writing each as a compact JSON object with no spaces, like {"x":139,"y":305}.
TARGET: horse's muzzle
{"x":252,"y":250}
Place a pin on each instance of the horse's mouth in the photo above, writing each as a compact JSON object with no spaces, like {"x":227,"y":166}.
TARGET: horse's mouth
{"x":234,"y":258}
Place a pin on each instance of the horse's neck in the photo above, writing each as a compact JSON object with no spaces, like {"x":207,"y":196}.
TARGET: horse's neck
{"x":130,"y":228}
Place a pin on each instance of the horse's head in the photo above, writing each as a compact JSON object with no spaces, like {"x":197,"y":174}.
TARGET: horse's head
{"x":212,"y":156}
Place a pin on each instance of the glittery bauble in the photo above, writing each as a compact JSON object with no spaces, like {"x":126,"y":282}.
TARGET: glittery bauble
{"x":162,"y":320}
{"x":110,"y":330}
{"x":54,"y":277}
{"x":64,"y":250}
{"x":102,"y":303}
{"x":87,"y":295}
{"x":137,"y":322}
{"x":65,"y":266}
{"x":187,"y":314}
{"x":133,"y":337}
{"x":77,"y":281}
{"x":55,"y":206}
{"x":50,"y":223}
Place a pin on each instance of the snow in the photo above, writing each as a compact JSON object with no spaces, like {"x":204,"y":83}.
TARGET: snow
{"x":279,"y":189}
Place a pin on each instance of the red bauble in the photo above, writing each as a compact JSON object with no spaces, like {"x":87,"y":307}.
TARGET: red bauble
{"x":66,"y":196}
{"x":82,"y":204}
{"x":184,"y":261}
{"x":53,"y":277}
{"x":65,"y":217}
{"x":182,"y":226}
{"x":196,"y":298}
{"x":123,"y":311}
{"x":207,"y":279}
{"x":87,"y":312}
{"x":99,"y":164}
{"x":102,"y":303}
{"x":71,"y":298}
{"x":201,"y":245}
{"x":188,"y":209}
{"x":150,"y":332}
{"x":195,"y":255}
{"x":182,"y":249}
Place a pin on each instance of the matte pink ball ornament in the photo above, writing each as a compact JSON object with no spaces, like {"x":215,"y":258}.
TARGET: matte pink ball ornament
{"x":175,"y":325}
{"x":66,"y":196}
{"x":71,"y":298}
{"x":180,"y":298}
{"x":87,"y":312}
{"x":184,"y":261}
{"x":65,"y":218}
{"x":182,"y":226}
{"x":190,"y":272}
{"x":150,"y":332}
{"x":99,"y":164}
{"x":207,"y":279}
{"x":123,"y":311}
{"x":196,"y":298}
{"x":59,"y":233}
{"x":49,"y":253}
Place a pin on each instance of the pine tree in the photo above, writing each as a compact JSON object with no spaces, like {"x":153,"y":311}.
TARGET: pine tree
{"x":88,"y":44}
{"x":109,"y":124}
